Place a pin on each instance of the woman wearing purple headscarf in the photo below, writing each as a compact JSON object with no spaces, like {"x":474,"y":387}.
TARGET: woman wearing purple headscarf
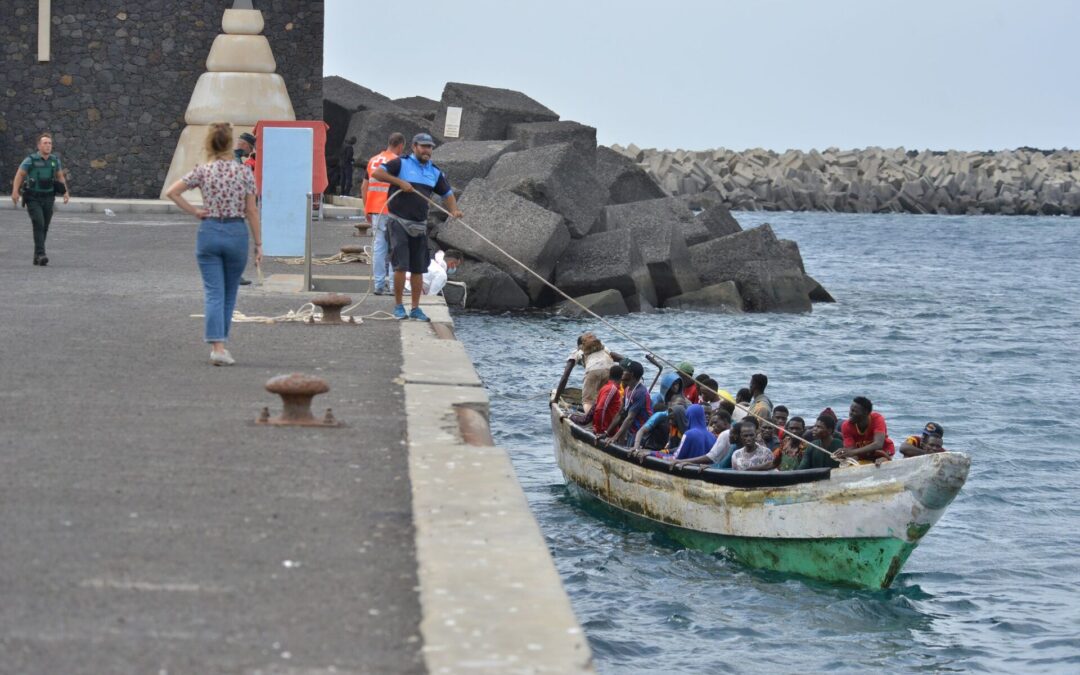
{"x":697,"y":440}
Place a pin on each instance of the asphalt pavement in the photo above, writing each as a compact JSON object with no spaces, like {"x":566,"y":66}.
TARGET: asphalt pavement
{"x":146,"y":523}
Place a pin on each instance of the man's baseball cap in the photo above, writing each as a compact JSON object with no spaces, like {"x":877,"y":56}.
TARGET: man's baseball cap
{"x":686,"y":367}
{"x":933,"y":429}
{"x":248,"y":138}
{"x":423,"y":139}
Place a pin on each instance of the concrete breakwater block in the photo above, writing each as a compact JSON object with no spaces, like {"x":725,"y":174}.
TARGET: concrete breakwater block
{"x":604,"y":303}
{"x":372,"y":128}
{"x":604,"y":261}
{"x":622,"y":178}
{"x":535,"y":134}
{"x":530,"y":233}
{"x":488,"y":112}
{"x":342,"y":98}
{"x":488,"y":288}
{"x":876,"y":180}
{"x":462,"y":161}
{"x":419,"y":105}
{"x":656,"y":231}
{"x":557,"y":177}
{"x":767,"y":277}
{"x":723,"y":297}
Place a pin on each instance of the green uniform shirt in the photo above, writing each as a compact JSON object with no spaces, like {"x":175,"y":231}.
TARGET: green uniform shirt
{"x":40,"y":174}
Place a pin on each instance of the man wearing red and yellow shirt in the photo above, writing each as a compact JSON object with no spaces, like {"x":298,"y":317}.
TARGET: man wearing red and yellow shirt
{"x":865,"y":435}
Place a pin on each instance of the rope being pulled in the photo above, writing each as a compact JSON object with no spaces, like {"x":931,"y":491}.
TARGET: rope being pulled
{"x":648,"y":350}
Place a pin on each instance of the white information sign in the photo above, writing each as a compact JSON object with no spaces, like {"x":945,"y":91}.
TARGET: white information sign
{"x":453,"y":122}
{"x":287,"y":156}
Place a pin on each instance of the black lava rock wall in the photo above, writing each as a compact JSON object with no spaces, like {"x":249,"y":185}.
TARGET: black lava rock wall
{"x":121,"y":74}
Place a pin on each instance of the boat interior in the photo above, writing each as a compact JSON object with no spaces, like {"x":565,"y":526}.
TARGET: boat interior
{"x":570,"y":400}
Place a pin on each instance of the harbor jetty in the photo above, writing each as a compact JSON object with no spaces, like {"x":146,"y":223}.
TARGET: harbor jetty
{"x":1024,"y":181}
{"x":152,"y":524}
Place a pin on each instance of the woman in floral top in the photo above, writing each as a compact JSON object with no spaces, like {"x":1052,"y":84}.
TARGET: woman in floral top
{"x":221,"y":248}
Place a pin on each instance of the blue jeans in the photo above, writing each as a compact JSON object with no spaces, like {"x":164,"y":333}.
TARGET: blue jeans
{"x":221,"y":249}
{"x":381,"y":243}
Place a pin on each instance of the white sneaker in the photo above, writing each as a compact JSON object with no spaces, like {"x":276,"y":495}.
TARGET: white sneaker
{"x":222,"y":358}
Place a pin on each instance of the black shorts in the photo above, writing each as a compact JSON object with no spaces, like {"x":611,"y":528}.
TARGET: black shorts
{"x":408,"y":253}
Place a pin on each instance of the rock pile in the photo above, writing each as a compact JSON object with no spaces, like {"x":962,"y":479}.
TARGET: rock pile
{"x":585,"y":218}
{"x":874,"y":180}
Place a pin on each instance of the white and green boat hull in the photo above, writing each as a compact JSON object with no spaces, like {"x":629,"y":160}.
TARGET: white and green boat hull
{"x":856,"y":527}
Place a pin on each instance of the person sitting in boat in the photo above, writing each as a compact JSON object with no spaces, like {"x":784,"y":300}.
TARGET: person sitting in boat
{"x":789,"y":454}
{"x":722,"y":447}
{"x":779,"y":418}
{"x":597,"y":361}
{"x":608,"y":401}
{"x":742,"y":404}
{"x":698,"y":440}
{"x":767,"y":435}
{"x":719,"y":421}
{"x":824,"y":435}
{"x":707,"y":396}
{"x":926,"y":444}
{"x":752,"y":455}
{"x":865,"y":435}
{"x":689,"y":386}
{"x":760,"y":404}
{"x":636,"y":407}
{"x":665,"y":427}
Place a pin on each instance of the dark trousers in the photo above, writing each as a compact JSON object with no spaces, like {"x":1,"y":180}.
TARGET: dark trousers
{"x":346,"y":179}
{"x":40,"y":210}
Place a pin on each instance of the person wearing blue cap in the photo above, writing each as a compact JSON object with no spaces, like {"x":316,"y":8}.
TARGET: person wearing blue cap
{"x":928,"y":443}
{"x":413,"y":179}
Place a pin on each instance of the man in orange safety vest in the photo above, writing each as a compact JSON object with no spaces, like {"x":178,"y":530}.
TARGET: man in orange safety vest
{"x":374,"y":194}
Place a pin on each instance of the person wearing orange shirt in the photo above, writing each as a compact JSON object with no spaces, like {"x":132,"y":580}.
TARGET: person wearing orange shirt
{"x":374,"y":194}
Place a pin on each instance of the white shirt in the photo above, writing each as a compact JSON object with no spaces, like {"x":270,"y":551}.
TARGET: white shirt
{"x":743,"y":460}
{"x":721,"y":446}
{"x":435,"y":277}
{"x":594,"y":361}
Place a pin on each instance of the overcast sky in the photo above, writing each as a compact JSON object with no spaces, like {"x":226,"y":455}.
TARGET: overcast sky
{"x":939,"y":74}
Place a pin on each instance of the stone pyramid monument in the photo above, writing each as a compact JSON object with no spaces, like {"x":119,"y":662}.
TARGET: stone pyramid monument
{"x":240,"y":87}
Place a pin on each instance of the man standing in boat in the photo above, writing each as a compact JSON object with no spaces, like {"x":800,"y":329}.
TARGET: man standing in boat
{"x":760,"y":404}
{"x":636,"y":407}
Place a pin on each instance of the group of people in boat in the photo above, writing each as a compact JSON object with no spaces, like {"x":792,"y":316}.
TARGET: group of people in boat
{"x":689,"y":422}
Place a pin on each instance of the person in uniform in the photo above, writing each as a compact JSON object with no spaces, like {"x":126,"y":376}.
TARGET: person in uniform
{"x":39,"y":179}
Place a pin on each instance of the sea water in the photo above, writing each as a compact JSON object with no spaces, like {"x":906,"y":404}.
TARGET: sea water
{"x":971,"y":322}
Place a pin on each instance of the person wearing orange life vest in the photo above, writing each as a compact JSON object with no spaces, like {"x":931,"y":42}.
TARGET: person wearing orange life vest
{"x":374,"y":194}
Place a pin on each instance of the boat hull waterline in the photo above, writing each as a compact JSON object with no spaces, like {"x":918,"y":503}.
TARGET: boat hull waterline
{"x":853,"y":526}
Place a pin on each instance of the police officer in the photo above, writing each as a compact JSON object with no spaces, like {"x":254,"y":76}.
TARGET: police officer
{"x":39,"y":178}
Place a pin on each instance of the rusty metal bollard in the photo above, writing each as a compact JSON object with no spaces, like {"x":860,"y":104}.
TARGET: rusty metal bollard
{"x":331,"y":305}
{"x":352,"y":249}
{"x":296,"y":391}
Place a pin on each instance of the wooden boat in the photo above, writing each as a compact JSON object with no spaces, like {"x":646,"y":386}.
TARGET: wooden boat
{"x":853,"y":525}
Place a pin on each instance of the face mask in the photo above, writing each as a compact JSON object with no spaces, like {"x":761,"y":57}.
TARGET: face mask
{"x":238,"y":153}
{"x":450,"y":271}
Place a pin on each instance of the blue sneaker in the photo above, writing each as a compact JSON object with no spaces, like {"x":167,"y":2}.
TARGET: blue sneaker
{"x":399,"y":312}
{"x":417,"y":314}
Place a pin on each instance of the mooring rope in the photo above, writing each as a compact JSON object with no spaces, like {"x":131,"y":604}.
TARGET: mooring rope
{"x":336,"y":259}
{"x":628,"y":336}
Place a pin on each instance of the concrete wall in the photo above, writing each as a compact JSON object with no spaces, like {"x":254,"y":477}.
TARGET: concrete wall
{"x":121,"y":74}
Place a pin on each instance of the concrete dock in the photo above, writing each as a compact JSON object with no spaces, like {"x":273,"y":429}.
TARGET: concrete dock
{"x":147,"y":524}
